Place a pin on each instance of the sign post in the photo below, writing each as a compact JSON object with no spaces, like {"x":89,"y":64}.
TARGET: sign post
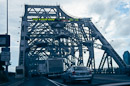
{"x":5,"y":54}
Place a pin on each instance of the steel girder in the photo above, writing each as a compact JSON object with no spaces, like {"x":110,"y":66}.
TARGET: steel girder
{"x":61,"y":38}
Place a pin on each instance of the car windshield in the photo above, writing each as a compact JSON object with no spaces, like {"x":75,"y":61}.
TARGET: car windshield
{"x":80,"y":68}
{"x":64,"y":42}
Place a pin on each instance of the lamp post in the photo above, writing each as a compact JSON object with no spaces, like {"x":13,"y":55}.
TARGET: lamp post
{"x":6,"y":63}
{"x":7,"y":17}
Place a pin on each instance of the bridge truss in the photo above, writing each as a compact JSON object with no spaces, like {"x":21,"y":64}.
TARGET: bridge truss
{"x":48,"y":32}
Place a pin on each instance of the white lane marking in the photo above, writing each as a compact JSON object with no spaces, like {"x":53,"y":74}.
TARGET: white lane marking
{"x":53,"y":82}
{"x":60,"y":84}
{"x":117,"y":84}
{"x":17,"y":83}
{"x":56,"y":83}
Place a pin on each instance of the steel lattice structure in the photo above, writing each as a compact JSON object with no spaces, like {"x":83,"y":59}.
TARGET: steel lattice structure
{"x":62,"y":37}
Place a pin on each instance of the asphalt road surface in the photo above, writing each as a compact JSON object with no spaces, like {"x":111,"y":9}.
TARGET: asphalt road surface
{"x":98,"y":80}
{"x":37,"y":81}
{"x":57,"y":81}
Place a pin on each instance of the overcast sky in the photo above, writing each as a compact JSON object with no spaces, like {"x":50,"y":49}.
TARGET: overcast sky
{"x":111,"y":17}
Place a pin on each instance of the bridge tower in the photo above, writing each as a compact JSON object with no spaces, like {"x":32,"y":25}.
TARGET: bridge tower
{"x":48,"y":32}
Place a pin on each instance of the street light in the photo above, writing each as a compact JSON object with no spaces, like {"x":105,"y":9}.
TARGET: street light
{"x":7,"y":17}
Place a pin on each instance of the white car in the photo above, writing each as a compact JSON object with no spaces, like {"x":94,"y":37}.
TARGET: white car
{"x":78,"y":73}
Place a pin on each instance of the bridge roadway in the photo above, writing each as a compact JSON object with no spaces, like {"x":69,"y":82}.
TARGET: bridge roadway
{"x":97,"y":80}
{"x":100,"y":79}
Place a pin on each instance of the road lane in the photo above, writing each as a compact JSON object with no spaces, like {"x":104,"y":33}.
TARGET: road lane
{"x":99,"y":79}
{"x":17,"y":83}
{"x":57,"y":81}
{"x":37,"y":81}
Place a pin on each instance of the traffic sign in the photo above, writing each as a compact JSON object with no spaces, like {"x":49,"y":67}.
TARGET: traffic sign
{"x":6,"y":49}
{"x":5,"y":56}
{"x":4,"y":40}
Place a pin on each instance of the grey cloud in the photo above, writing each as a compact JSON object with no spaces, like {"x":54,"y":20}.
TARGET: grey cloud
{"x":123,"y":26}
{"x":117,"y":43}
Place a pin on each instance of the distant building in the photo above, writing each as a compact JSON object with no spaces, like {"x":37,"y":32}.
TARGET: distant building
{"x":126,"y":57}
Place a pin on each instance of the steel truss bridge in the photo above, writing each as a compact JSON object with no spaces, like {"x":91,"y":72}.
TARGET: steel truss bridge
{"x":48,"y":32}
